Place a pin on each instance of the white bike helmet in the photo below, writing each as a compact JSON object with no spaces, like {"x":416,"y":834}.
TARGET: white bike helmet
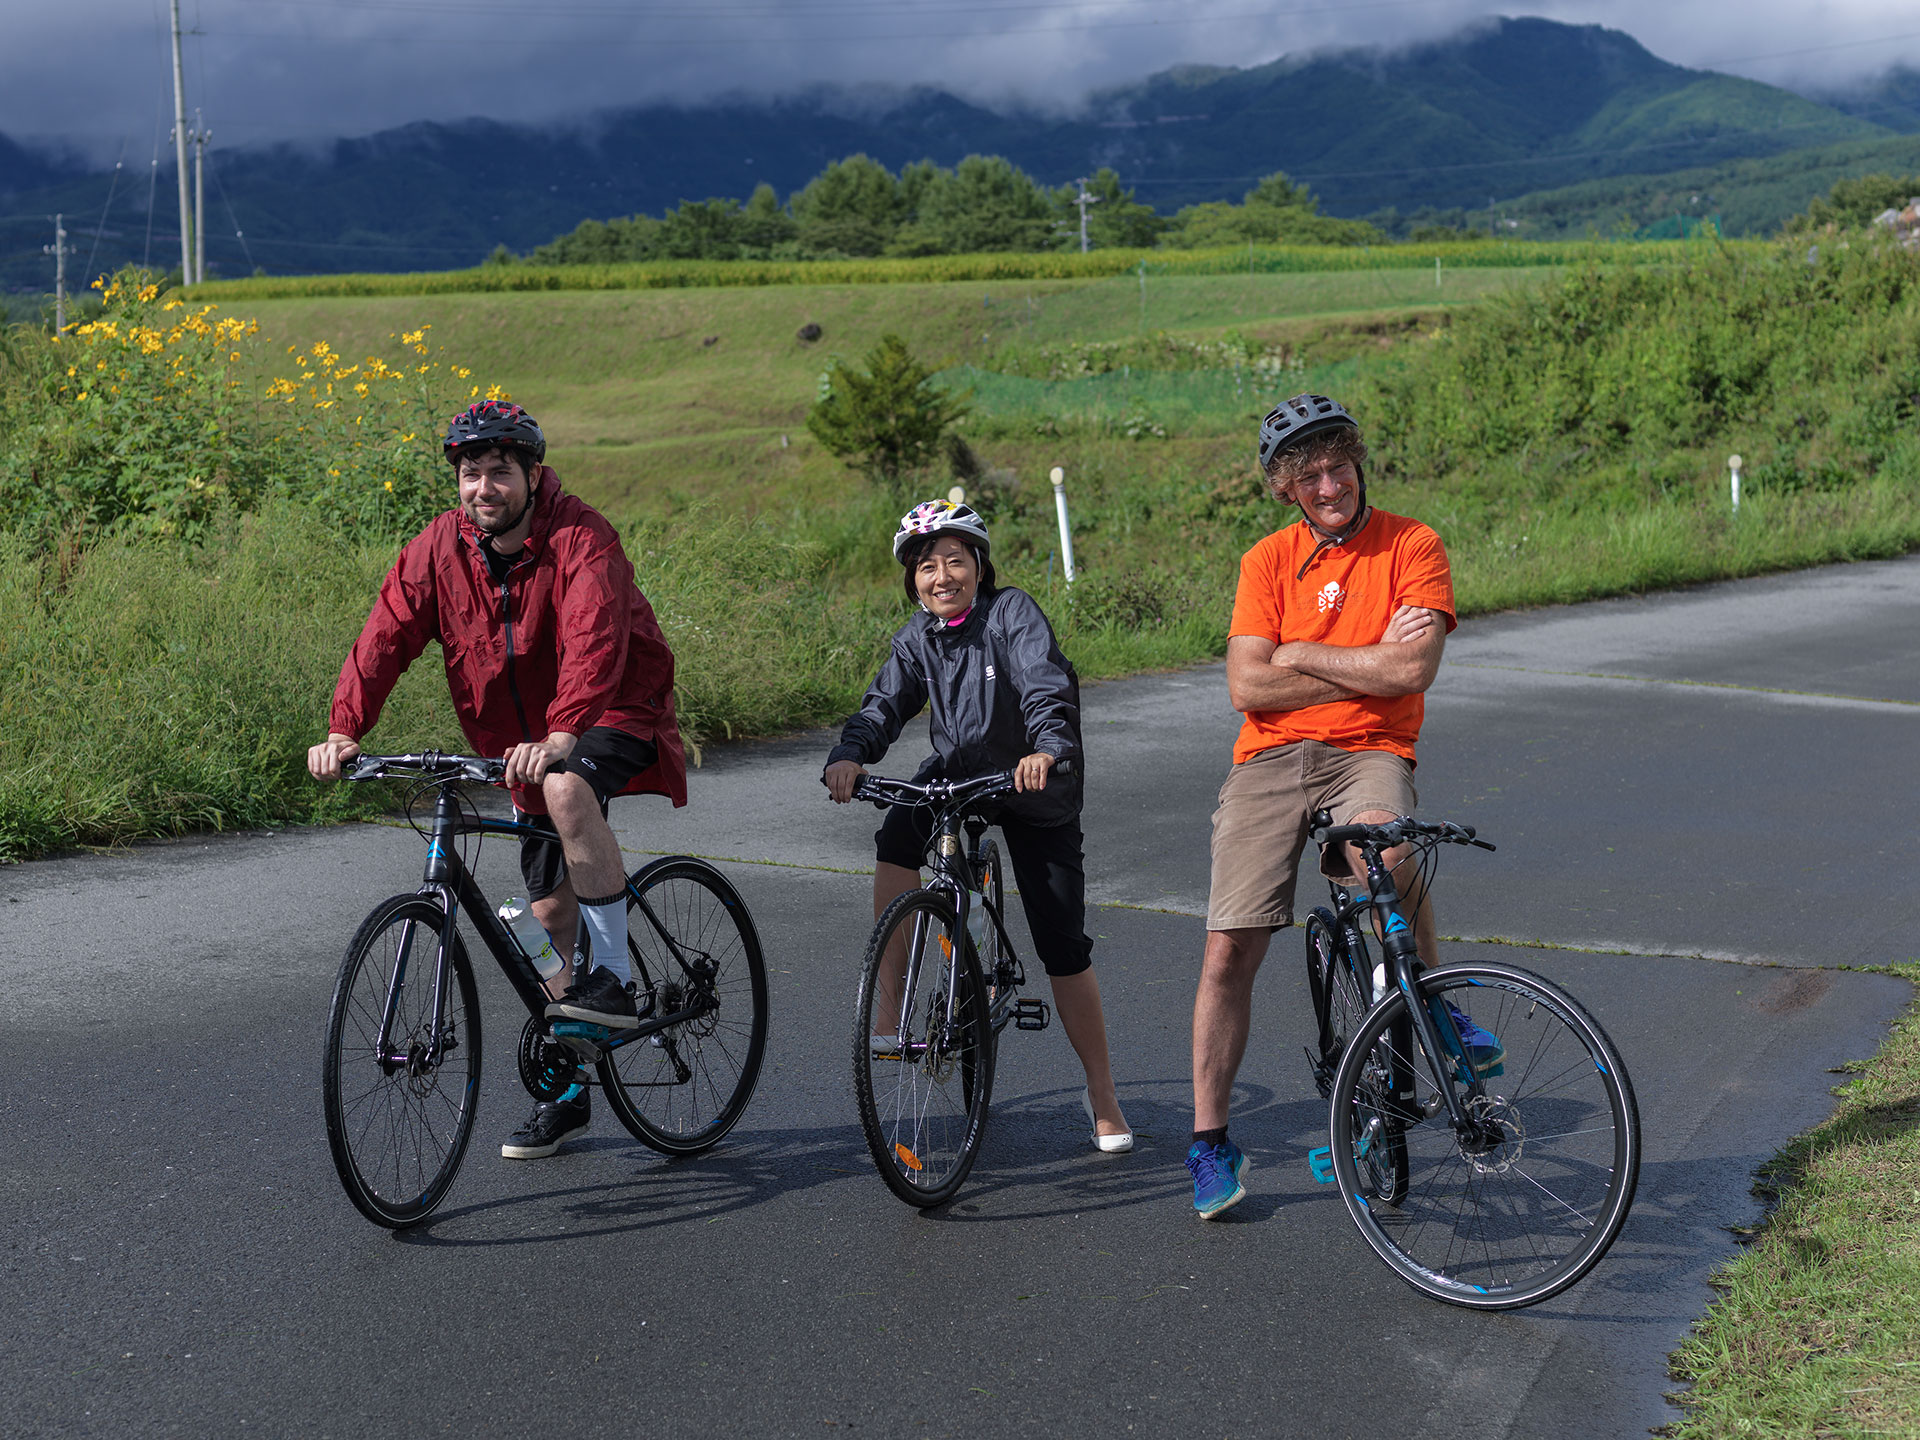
{"x":941,"y":517}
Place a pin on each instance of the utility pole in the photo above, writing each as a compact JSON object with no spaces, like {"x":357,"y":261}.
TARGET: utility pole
{"x":180,"y":152}
{"x":200,"y":138}
{"x":59,"y":250}
{"x":1083,"y":200}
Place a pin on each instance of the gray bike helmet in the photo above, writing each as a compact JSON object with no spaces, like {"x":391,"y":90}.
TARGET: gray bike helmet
{"x":1297,"y":419}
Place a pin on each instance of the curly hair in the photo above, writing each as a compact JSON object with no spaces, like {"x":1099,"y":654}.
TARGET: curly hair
{"x":1329,"y":446}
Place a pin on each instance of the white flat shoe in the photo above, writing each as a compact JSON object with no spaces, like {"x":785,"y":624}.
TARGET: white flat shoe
{"x":885,"y":1047}
{"x":1106,"y":1144}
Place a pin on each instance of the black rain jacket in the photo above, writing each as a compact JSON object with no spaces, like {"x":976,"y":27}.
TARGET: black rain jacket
{"x":1000,"y":690}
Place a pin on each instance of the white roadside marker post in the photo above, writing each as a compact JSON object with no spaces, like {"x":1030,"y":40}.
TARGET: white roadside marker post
{"x":1059,"y":478}
{"x":1733,"y":470}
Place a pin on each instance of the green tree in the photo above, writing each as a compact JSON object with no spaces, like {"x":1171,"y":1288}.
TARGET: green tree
{"x":763,"y":224}
{"x":853,"y":207}
{"x":1274,"y":212}
{"x":986,"y":203}
{"x":1853,"y":202}
{"x":887,"y":421}
{"x":701,"y":230}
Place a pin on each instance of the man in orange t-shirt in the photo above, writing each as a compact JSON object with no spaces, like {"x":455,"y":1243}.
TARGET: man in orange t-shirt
{"x":1338,"y":626}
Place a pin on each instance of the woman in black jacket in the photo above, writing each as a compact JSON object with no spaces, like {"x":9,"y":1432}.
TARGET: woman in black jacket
{"x":1002,"y":697}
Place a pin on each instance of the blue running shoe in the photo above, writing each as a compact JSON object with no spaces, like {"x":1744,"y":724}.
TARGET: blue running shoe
{"x":1216,"y":1171}
{"x":1485,"y":1053}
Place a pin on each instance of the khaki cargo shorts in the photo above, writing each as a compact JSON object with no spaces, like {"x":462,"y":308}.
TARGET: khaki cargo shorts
{"x":1261,"y":825}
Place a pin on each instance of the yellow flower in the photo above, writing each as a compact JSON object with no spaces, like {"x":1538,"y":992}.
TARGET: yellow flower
{"x":494,"y":392}
{"x":83,"y":394}
{"x":407,"y":439}
{"x":389,"y":487}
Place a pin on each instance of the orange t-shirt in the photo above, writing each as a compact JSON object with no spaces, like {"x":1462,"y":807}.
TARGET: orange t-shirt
{"x":1346,"y":597}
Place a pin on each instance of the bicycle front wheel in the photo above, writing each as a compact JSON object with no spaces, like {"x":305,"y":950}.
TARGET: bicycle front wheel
{"x":399,"y":1115}
{"x":922,"y":1050}
{"x":682,"y":1088}
{"x":1525,"y":1204}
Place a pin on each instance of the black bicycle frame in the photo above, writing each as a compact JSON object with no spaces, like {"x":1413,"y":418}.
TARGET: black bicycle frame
{"x":1403,"y":971}
{"x":448,"y":879}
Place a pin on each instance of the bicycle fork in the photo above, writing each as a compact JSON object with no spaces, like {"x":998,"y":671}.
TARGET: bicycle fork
{"x":1402,"y":957}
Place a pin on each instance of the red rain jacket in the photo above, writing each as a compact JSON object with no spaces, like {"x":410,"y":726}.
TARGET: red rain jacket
{"x":565,"y":643}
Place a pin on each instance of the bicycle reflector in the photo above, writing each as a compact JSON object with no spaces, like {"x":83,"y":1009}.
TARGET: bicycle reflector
{"x":907,"y":1157}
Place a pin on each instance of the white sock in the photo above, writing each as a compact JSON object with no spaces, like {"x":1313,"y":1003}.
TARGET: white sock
{"x":606,"y":922}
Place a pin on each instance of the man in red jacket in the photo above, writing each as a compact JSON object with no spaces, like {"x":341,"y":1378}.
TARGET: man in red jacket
{"x":552,"y":653}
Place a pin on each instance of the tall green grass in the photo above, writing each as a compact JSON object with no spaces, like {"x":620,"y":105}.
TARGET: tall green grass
{"x":1045,"y":265}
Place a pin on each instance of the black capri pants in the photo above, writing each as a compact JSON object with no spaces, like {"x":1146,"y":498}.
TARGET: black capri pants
{"x":606,"y":759}
{"x":1048,"y":868}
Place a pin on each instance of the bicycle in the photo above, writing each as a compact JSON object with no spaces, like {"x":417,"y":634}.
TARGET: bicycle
{"x":1489,"y":1177}
{"x":401,"y":1072}
{"x":924,"y":1053}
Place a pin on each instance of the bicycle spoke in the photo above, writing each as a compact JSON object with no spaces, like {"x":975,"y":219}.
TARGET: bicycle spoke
{"x":1526,"y":1197}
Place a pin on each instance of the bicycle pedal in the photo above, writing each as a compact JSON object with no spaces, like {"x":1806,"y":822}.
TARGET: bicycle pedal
{"x":583,"y":1037}
{"x":1031,"y":1014}
{"x":1320,"y":1162}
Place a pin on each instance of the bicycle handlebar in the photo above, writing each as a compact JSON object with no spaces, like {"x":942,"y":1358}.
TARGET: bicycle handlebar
{"x":1398,"y":832}
{"x":884,"y":790}
{"x":432,"y":764}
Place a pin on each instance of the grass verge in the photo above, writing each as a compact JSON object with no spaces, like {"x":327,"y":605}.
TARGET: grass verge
{"x":1816,"y":1332}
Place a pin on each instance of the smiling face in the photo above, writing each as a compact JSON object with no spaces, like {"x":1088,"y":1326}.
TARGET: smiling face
{"x":496,"y":492}
{"x":946,"y":577}
{"x":1329,"y":494}
{"x":1322,"y":477}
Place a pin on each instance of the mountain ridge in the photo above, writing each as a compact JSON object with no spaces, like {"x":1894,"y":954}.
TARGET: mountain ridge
{"x":1503,"y":107}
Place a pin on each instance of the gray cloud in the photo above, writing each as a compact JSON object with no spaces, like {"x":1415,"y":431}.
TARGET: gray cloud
{"x":97,"y":70}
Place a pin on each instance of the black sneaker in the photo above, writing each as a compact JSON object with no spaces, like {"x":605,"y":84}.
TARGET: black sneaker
{"x":551,"y":1125}
{"x":600,"y":997}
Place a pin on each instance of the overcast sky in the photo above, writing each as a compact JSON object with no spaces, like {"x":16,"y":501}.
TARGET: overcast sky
{"x":98,"y":71}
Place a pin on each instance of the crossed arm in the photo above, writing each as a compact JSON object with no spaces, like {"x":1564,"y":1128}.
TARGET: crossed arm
{"x":1265,"y":676}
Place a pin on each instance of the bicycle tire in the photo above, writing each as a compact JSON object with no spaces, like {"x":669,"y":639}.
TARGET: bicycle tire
{"x":1340,"y":974}
{"x":1520,"y":1220}
{"x":923,"y":1105}
{"x":683,"y":1088}
{"x":399,"y":1133}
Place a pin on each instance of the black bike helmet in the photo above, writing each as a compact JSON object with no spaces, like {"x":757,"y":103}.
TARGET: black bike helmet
{"x":490,"y":423}
{"x":1297,"y":419}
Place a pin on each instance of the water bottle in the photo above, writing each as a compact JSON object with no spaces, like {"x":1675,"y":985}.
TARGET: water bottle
{"x":517,"y":916}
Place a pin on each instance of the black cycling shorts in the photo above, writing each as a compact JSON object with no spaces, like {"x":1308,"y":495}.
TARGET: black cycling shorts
{"x":1048,"y":870}
{"x":606,"y":759}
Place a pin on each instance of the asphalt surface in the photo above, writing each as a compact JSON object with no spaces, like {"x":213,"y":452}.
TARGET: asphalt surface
{"x":1676,"y":784}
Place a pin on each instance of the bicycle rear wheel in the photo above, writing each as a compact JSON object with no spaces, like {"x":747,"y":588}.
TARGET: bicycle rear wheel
{"x":923,"y":1097}
{"x":1527,"y":1208}
{"x":682,"y":1088}
{"x":398,"y":1123}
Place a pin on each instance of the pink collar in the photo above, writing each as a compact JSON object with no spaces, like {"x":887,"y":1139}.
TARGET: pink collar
{"x":960,"y":619}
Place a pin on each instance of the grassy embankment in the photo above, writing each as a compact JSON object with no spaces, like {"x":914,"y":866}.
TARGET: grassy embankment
{"x":1566,"y":439}
{"x":1816,"y":1333}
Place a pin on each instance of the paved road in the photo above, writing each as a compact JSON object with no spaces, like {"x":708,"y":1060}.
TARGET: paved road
{"x":1675,"y":782}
